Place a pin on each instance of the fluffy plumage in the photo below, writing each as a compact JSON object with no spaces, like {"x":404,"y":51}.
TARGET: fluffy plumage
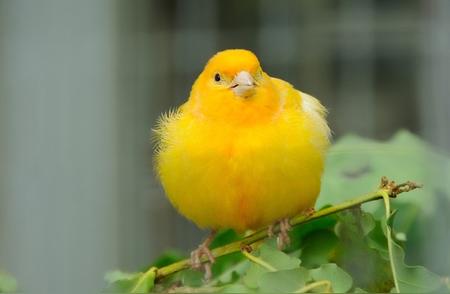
{"x":243,"y":160}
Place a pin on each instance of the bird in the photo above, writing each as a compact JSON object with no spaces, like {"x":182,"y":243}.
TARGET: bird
{"x":245,"y":151}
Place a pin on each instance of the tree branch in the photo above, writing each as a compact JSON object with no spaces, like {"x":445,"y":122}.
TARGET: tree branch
{"x":386,"y":186}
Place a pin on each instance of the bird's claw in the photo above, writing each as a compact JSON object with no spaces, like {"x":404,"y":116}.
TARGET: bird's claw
{"x":196,"y":262}
{"x":246,"y":248}
{"x":309,"y":212}
{"x":283,"y":238}
{"x":197,"y":255}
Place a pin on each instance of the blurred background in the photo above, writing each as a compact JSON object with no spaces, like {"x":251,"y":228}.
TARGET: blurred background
{"x":82,"y":83}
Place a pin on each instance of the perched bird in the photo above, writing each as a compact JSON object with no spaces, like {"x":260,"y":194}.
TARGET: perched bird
{"x":245,"y":151}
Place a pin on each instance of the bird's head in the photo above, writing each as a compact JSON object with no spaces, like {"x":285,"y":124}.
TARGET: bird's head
{"x":233,"y":86}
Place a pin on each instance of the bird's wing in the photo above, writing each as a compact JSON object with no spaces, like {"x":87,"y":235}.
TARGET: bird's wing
{"x":312,"y":105}
{"x":318,"y":113}
{"x":305,"y":103}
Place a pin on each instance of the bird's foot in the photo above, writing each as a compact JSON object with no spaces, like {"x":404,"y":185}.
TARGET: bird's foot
{"x":196,"y":262}
{"x":283,"y":239}
{"x":246,"y":248}
{"x":309,"y":212}
{"x":203,"y":251}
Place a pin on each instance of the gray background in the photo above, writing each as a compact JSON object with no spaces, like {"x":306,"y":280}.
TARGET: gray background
{"x":82,"y":82}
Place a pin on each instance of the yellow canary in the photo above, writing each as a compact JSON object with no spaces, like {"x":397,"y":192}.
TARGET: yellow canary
{"x":245,"y":150}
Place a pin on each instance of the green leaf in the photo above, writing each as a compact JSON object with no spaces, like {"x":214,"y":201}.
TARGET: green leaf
{"x":353,"y":229}
{"x":235,"y":288}
{"x":119,"y":281}
{"x":8,"y":283}
{"x":192,"y":278}
{"x":114,"y":276}
{"x":377,"y":240}
{"x":406,"y":278}
{"x":355,"y":165}
{"x":168,"y":257}
{"x":283,"y":281}
{"x":341,"y":282}
{"x":130,"y":282}
{"x":277,"y":258}
{"x":351,"y":242}
{"x":299,"y":232}
{"x":414,"y":279}
{"x":145,"y":282}
{"x":187,"y":289}
{"x":318,"y":248}
{"x":410,"y":279}
{"x":224,"y":237}
{"x":226,"y":268}
{"x":229,"y":270}
{"x":253,"y":274}
{"x":274,"y":257}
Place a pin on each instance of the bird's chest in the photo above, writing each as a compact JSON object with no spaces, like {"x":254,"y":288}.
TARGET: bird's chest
{"x":229,"y":147}
{"x":242,"y":157}
{"x":239,"y":176}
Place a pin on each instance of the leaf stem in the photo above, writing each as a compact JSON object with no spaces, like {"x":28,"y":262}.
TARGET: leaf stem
{"x":387,"y":207}
{"x":258,"y":261}
{"x":142,"y":279}
{"x":386,"y":188}
{"x":316,"y":285}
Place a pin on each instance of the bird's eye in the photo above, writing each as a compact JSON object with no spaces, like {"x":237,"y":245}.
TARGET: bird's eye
{"x":217,"y":77}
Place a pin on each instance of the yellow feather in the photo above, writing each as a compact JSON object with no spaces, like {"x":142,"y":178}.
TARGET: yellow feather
{"x":231,"y":162}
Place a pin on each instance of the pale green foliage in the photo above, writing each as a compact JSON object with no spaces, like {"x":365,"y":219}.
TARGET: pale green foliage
{"x":8,"y":283}
{"x":347,"y":251}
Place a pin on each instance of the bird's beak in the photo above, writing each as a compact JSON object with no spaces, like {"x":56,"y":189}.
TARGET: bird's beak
{"x":243,"y":84}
